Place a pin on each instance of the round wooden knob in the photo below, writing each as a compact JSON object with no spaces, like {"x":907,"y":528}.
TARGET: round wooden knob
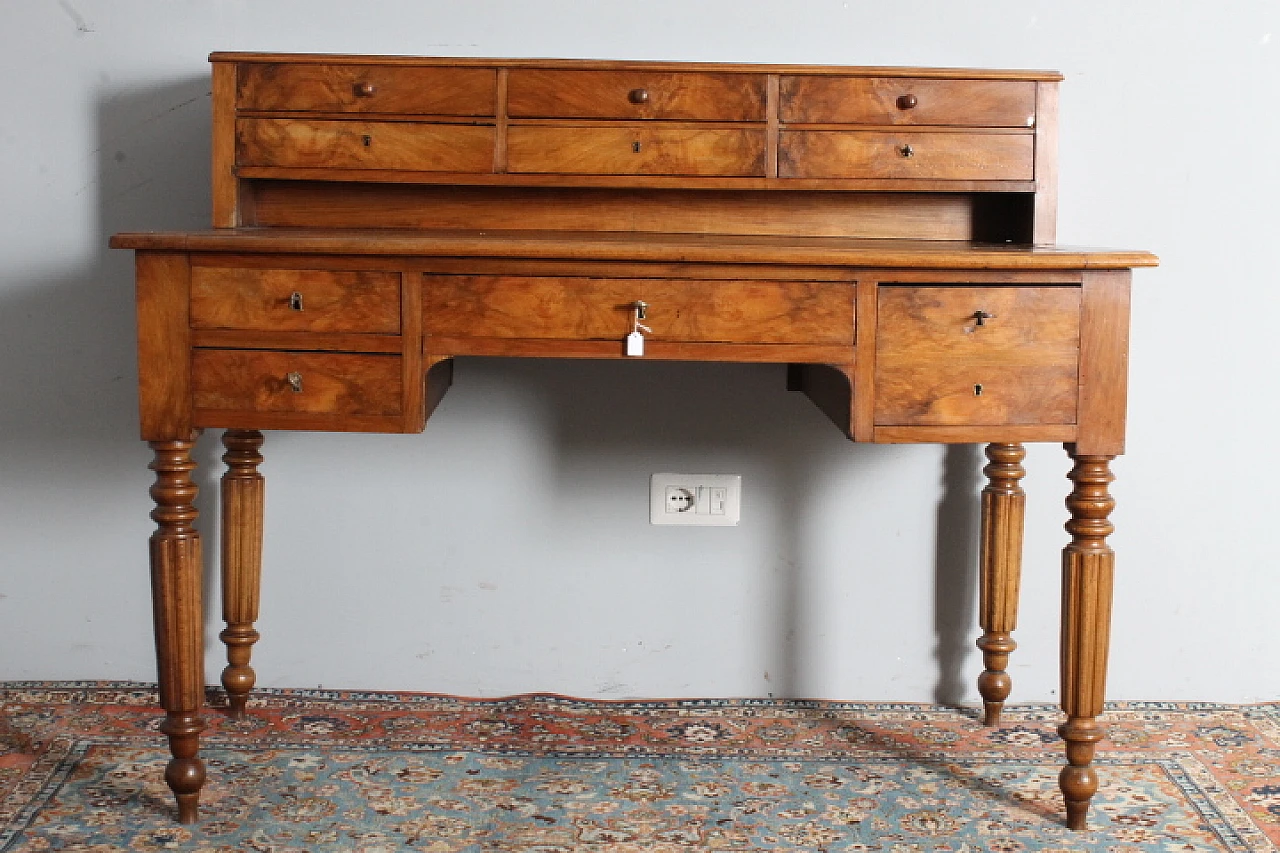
{"x":638,"y":96}
{"x":366,"y":90}
{"x":906,"y":151}
{"x":907,"y":102}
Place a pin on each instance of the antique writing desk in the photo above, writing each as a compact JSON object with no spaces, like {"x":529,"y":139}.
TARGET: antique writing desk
{"x":887,"y":233}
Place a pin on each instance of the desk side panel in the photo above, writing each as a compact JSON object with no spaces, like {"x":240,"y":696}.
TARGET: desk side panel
{"x":164,"y":345}
{"x":1104,"y":363}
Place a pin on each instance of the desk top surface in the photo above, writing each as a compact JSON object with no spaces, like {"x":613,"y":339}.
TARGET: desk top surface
{"x":699,"y":248}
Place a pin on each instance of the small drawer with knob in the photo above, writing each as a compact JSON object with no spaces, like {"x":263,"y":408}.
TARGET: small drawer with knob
{"x":351,"y":144}
{"x":270,"y":381}
{"x":551,"y":93}
{"x":636,"y":150}
{"x":967,"y":356}
{"x":359,"y":88}
{"x":906,"y":101}
{"x":295,"y":300}
{"x":937,"y":155}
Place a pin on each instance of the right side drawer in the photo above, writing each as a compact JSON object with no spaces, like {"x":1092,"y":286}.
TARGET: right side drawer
{"x":967,"y":356}
{"x":907,"y":101}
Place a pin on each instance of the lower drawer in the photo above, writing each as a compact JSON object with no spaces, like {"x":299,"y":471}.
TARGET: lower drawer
{"x":315,"y":383}
{"x":937,"y":156}
{"x":410,"y":146}
{"x":961,"y":394}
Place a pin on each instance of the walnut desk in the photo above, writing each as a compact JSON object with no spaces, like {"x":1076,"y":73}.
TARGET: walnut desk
{"x":887,"y":233}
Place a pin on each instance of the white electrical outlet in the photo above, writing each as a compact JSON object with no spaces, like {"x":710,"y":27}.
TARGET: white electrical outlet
{"x":712,"y":500}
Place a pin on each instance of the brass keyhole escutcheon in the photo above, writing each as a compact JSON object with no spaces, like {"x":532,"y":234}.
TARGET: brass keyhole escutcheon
{"x":977,"y":390}
{"x":295,"y":301}
{"x":294,"y":378}
{"x":641,"y":309}
{"x":635,"y":146}
{"x":367,"y":140}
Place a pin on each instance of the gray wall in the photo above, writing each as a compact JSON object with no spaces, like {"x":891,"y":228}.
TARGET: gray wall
{"x":507,"y":549}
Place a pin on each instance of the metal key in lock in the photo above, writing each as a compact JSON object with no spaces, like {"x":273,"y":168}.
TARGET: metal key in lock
{"x":635,"y":340}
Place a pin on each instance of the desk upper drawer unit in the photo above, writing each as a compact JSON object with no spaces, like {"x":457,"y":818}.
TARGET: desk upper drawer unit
{"x":963,"y":356}
{"x":750,"y":312}
{"x":950,"y":129}
{"x":283,"y":300}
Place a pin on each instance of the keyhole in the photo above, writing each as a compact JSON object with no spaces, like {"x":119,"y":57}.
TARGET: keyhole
{"x":635,"y":146}
{"x":977,"y":390}
{"x":367,"y":140}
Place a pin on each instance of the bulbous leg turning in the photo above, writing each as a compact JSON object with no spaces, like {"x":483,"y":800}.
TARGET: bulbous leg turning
{"x":1003,"y":509}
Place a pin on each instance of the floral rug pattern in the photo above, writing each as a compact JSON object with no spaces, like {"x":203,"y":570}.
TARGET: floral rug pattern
{"x":81,"y":767}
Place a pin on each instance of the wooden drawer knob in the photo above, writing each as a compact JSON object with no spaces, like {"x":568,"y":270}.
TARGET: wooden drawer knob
{"x":366,"y":90}
{"x":907,"y":102}
{"x":638,"y":96}
{"x":906,"y":151}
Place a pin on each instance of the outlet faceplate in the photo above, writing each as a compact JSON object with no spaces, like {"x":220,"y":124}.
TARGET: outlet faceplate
{"x":711,"y":500}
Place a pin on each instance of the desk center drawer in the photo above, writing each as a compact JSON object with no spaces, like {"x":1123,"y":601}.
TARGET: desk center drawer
{"x":279,"y":300}
{"x":759,"y":312}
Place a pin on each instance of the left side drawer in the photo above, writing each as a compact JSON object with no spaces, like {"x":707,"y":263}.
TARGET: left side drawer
{"x":269,"y":381}
{"x":283,"y":300}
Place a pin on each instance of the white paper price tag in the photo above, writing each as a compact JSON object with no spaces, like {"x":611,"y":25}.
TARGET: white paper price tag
{"x":635,"y":344}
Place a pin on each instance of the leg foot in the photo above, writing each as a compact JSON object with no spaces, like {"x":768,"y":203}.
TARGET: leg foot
{"x":243,"y":491}
{"x":1088,"y":566}
{"x":176,"y":570}
{"x":1003,"y":508}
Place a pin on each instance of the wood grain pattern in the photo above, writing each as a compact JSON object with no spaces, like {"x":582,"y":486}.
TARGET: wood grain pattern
{"x":947,"y":394}
{"x":226,"y":189}
{"x":341,"y":87}
{"x":1088,"y":568}
{"x":876,"y":100}
{"x":682,"y":248}
{"x":1104,"y":362}
{"x":313,"y":204}
{"x":778,"y":312}
{"x":164,"y":371}
{"x":654,"y":350}
{"x":176,"y":571}
{"x":974,"y":434}
{"x":1045,"y":215}
{"x":1000,"y":572}
{"x":414,"y":146}
{"x":243,"y":495}
{"x":292,"y":300}
{"x":635,"y":150}
{"x":1024,"y":325}
{"x":549,"y":93}
{"x":331,"y":383}
{"x":615,"y":64}
{"x":876,"y":154}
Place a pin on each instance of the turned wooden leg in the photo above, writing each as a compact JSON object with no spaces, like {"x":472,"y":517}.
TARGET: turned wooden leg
{"x":1088,"y":564}
{"x":175,"y":588}
{"x":1003,"y":508}
{"x":242,"y":501}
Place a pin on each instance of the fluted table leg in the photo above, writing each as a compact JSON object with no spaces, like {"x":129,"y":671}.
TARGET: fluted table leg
{"x":1003,"y":509}
{"x":176,"y":572}
{"x":242,"y":503}
{"x":1088,"y":566}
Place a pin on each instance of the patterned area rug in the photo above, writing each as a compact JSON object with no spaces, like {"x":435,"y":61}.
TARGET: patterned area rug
{"x":81,"y":765}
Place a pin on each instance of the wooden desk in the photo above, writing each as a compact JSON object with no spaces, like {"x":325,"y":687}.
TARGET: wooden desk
{"x":887,"y":233}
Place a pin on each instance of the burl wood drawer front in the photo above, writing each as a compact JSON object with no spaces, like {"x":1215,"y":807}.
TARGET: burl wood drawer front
{"x":760,"y":312}
{"x":961,"y":356}
{"x":635,"y":151}
{"x":413,"y":146}
{"x":937,"y":156}
{"x":535,"y":93}
{"x":315,"y":383}
{"x":361,"y":301}
{"x":890,"y":100}
{"x":367,"y":89}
